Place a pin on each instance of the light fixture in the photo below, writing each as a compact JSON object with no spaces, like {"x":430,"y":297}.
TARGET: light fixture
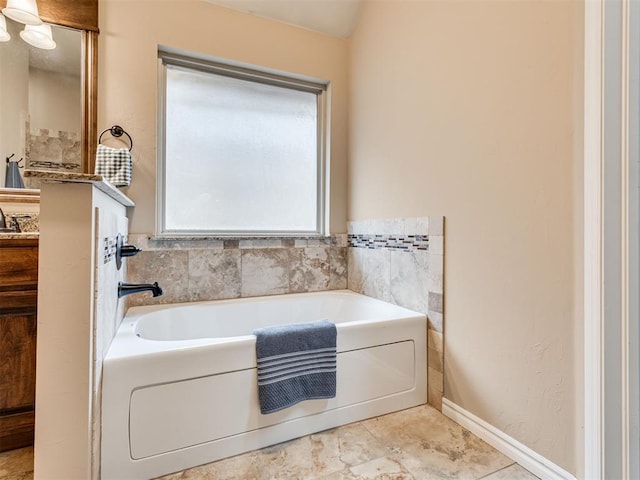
{"x":39,"y":36}
{"x":23,"y":11}
{"x":4,"y":33}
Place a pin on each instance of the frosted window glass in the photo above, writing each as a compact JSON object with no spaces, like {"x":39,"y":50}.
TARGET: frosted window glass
{"x":239,"y":155}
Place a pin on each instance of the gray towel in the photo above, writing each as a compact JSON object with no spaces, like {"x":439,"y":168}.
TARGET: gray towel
{"x":295,"y":362}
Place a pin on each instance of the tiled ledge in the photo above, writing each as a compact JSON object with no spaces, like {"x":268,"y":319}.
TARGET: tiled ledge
{"x":422,"y":226}
{"x":240,"y":237}
{"x":151,"y":242}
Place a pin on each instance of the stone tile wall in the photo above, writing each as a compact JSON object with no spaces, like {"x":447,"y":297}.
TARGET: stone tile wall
{"x":53,"y":150}
{"x":196,"y":269}
{"x":401,"y":261}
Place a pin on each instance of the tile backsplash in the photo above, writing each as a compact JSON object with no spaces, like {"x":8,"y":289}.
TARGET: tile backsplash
{"x":194,"y":270}
{"x":54,"y":150}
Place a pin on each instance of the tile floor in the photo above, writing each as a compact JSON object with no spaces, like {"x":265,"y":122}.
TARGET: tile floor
{"x":17,"y":464}
{"x":419,"y":443}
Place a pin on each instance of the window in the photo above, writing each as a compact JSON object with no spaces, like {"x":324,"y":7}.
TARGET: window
{"x":241,"y":151}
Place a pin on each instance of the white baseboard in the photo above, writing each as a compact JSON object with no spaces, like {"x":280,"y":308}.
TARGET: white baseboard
{"x":532,"y":461}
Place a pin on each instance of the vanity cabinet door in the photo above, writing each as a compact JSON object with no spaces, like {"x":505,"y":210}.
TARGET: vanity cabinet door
{"x":18,"y":323}
{"x":17,"y":380}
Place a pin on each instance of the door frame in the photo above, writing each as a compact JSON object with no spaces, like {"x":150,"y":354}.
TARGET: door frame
{"x":611,"y":340}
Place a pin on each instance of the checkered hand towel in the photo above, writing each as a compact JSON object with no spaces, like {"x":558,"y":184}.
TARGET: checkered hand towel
{"x":114,"y":164}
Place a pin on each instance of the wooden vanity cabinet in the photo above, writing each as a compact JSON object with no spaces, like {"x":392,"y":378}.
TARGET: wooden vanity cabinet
{"x":18,"y":315}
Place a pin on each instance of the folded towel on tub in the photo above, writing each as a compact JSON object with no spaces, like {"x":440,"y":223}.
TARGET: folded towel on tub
{"x":295,"y":362}
{"x":114,"y":164}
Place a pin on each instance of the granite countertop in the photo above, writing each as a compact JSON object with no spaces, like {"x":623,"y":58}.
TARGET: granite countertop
{"x":98,"y":181}
{"x":19,"y":235}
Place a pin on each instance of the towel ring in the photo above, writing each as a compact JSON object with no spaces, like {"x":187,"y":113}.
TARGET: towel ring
{"x":117,"y":131}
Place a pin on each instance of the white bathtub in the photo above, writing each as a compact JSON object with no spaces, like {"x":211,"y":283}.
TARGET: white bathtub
{"x":179,"y":381}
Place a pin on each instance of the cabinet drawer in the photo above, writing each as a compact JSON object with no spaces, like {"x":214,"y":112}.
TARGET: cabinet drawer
{"x":18,"y":264}
{"x":18,"y":302}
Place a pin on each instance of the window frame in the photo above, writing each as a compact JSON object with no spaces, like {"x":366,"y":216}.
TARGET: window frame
{"x":168,"y":57}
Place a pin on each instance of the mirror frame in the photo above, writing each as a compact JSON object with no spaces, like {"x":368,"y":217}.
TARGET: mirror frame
{"x":89,"y":85}
{"x":80,"y":15}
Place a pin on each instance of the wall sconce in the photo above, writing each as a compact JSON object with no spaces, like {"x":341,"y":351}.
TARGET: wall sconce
{"x":22,"y":11}
{"x":35,"y":32}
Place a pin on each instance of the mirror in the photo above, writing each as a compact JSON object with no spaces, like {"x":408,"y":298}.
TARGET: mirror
{"x":82,"y":17}
{"x":41,"y":102}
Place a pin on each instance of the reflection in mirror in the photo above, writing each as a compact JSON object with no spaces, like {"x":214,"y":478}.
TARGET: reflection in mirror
{"x":41,"y":102}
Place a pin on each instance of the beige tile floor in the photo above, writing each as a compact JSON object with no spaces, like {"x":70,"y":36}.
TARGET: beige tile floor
{"x":419,"y":443}
{"x":17,"y":464}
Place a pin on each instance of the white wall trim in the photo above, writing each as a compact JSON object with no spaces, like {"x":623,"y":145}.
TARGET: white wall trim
{"x":532,"y":461}
{"x":593,"y":315}
{"x":633,"y":225}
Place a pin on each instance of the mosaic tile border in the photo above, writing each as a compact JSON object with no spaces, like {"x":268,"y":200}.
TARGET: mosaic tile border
{"x":405,"y":243}
{"x":109,"y":252}
{"x":54,"y":165}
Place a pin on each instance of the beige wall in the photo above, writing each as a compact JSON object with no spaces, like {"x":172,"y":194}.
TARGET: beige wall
{"x":130,"y":32}
{"x":467,"y":109}
{"x":472,"y":110}
{"x":54,"y":101}
{"x":14,"y":99}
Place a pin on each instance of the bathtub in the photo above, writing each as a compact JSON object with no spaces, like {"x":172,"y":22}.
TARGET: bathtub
{"x":179,"y":384}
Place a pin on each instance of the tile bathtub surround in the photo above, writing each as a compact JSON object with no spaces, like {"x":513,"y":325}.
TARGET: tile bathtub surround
{"x":435,"y":368}
{"x":401,"y":261}
{"x":190,"y":269}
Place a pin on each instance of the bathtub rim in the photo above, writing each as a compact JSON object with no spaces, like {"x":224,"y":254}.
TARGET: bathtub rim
{"x":137,"y":311}
{"x":127,"y":344}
